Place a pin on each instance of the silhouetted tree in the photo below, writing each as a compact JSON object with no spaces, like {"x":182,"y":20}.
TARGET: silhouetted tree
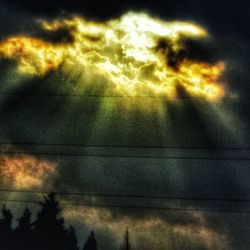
{"x":71,"y":239}
{"x":6,"y":232}
{"x":91,"y":243}
{"x":24,"y":223}
{"x":126,"y":244}
{"x":49,"y":230}
{"x":24,"y":232}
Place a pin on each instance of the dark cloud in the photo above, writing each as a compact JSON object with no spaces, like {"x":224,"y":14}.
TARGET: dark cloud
{"x":219,"y":15}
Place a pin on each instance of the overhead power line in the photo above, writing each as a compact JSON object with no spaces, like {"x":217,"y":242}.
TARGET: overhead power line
{"x":109,"y":195}
{"x":122,"y":146}
{"x":180,"y":209}
{"x":127,"y":156}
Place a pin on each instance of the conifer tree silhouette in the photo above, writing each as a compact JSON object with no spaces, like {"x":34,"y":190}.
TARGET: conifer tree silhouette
{"x":24,"y":223}
{"x":24,"y":232}
{"x":49,"y":230}
{"x":6,"y":232}
{"x":72,"y":240}
{"x":91,"y":243}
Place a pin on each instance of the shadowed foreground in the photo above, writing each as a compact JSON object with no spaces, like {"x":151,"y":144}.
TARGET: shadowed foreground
{"x":47,"y":231}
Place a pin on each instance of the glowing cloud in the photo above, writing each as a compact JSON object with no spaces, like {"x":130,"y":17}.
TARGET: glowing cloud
{"x":24,"y":171}
{"x":138,"y":54}
{"x":152,"y":232}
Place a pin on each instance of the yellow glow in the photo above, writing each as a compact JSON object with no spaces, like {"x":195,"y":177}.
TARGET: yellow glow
{"x":34,"y":56}
{"x":125,"y":51}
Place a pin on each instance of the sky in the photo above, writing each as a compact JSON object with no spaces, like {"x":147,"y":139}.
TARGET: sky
{"x":73,"y":101}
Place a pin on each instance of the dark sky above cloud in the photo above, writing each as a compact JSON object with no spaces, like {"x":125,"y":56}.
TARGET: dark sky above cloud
{"x":221,"y":15}
{"x":82,"y":120}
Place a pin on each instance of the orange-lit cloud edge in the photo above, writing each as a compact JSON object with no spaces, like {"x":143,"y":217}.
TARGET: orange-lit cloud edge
{"x":25,"y":172}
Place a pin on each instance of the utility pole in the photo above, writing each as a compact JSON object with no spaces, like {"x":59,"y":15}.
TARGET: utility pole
{"x":126,"y":244}
{"x":127,"y":239}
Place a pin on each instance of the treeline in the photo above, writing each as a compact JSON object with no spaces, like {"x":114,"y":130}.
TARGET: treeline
{"x":46,"y":232}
